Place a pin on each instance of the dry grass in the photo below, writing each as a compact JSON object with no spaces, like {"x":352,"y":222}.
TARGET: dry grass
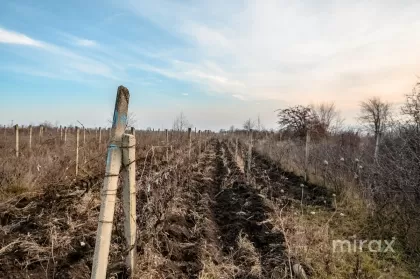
{"x":310,"y":232}
{"x":49,"y":217}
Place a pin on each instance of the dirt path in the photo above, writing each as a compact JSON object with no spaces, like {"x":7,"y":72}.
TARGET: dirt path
{"x":241,"y":215}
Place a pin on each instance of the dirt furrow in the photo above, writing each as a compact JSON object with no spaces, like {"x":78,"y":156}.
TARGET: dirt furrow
{"x":241,"y":215}
{"x":279,"y":184}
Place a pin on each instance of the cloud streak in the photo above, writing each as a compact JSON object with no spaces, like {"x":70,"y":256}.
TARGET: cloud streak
{"x":85,"y":42}
{"x":10,"y":37}
{"x":299,"y":52}
{"x":60,"y":60}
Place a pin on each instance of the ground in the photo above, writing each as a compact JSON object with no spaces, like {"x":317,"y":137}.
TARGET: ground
{"x":200,"y":217}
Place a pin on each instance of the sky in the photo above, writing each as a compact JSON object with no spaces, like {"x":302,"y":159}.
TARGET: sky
{"x":218,"y":62}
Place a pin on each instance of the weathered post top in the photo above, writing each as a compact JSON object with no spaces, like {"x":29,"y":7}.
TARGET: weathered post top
{"x":119,"y":121}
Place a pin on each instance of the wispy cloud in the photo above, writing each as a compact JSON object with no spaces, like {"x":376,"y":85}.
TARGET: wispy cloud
{"x":10,"y":37}
{"x":240,"y":97}
{"x":85,"y":42}
{"x":300,"y":52}
{"x":58,"y":59}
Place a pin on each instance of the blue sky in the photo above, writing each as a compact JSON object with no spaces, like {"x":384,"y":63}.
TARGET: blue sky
{"x":219,"y":62}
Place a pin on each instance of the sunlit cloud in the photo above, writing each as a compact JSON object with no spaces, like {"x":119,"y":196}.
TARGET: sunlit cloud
{"x":297,"y":52}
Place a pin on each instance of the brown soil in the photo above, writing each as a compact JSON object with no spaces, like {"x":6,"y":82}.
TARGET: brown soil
{"x":190,"y":216}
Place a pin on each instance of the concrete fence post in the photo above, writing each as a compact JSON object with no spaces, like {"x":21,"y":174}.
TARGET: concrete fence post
{"x":109,"y":191}
{"x":167,"y":144}
{"x":40,"y":133}
{"x":199,"y":142}
{"x":100,"y":136}
{"x":308,"y":138}
{"x":205,"y":141}
{"x":30,"y":137}
{"x":249,"y":155}
{"x":17,"y":139}
{"x":84,"y":136}
{"x":236,"y":149}
{"x":129,"y":198}
{"x":65,"y":134}
{"x":77,"y":150}
{"x":61,"y":133}
{"x":189,"y":143}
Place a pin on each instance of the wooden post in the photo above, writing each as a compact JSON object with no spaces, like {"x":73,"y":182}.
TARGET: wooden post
{"x":30,"y":137}
{"x":17,"y":139}
{"x":61,"y":133}
{"x":100,"y":136}
{"x":133,"y":131}
{"x":109,"y":191}
{"x":65,"y":134}
{"x":189,"y":143}
{"x":129,"y":198}
{"x":307,"y":154}
{"x":77,"y":151}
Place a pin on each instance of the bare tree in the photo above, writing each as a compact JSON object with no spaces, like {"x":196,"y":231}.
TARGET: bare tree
{"x":249,"y":125}
{"x":131,"y":120}
{"x":375,"y":113}
{"x":411,"y":108}
{"x":298,"y":120}
{"x":258,"y":123}
{"x":260,"y":126}
{"x":181,"y":123}
{"x":328,"y":116}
